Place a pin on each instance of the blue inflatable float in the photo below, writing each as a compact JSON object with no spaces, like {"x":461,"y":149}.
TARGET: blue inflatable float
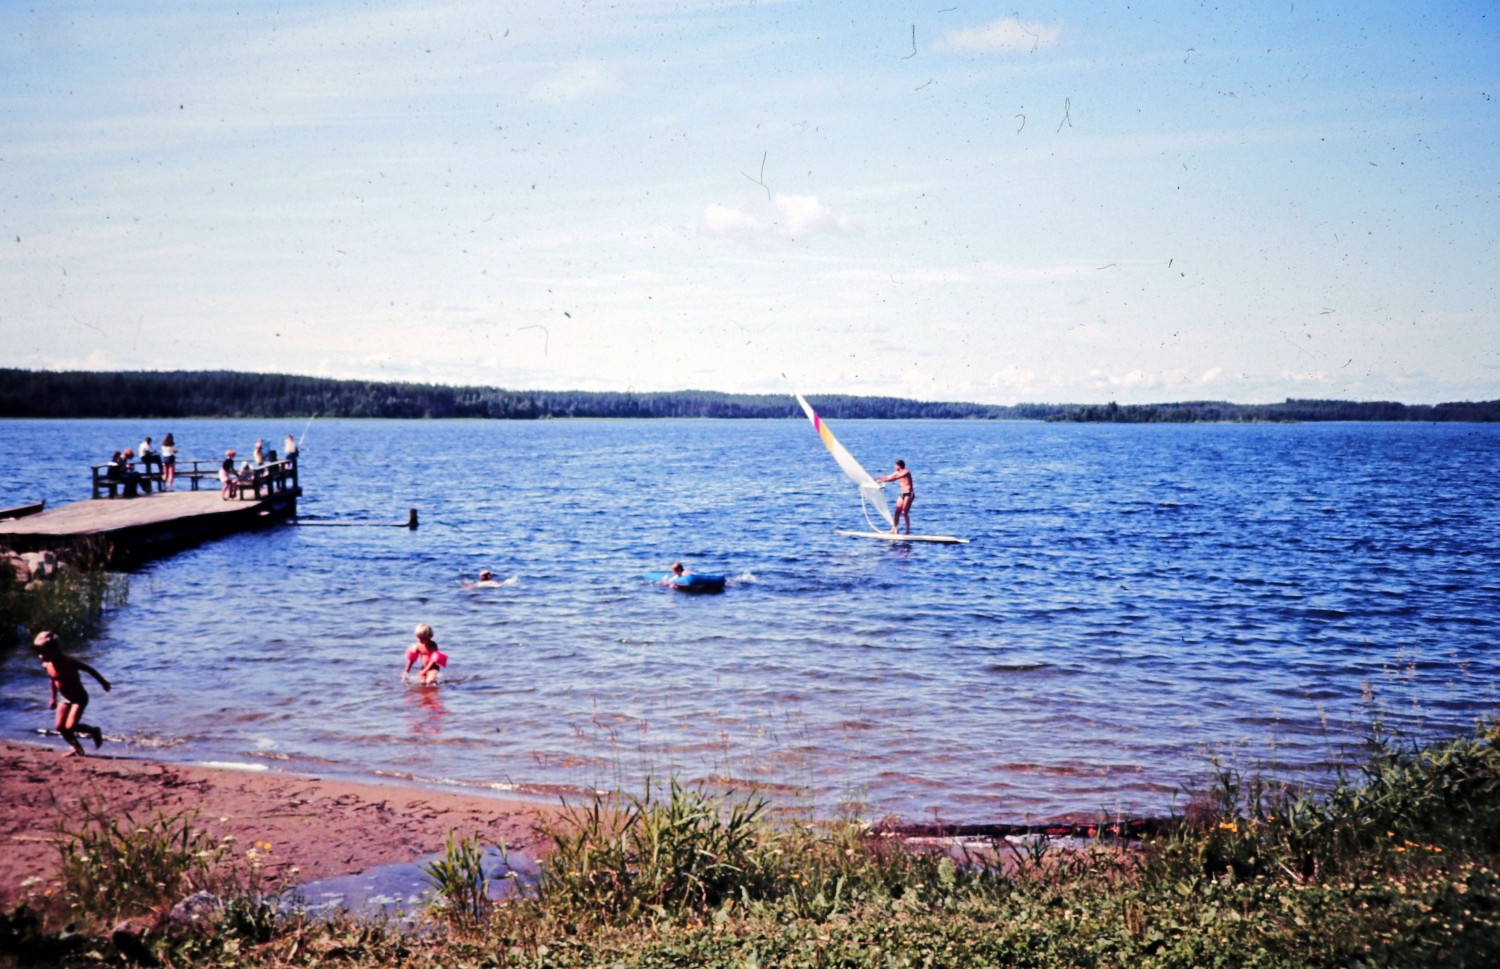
{"x":692,"y":582}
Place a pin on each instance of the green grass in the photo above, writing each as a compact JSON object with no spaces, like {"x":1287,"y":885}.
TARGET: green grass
{"x":114,"y":867}
{"x":1397,"y":865}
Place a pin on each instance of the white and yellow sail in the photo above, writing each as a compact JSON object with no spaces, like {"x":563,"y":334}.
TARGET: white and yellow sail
{"x":872,"y":491}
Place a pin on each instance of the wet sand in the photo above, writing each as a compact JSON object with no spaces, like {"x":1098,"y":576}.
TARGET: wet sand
{"x":324,"y":827}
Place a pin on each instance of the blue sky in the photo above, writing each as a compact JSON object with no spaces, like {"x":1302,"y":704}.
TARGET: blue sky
{"x":1073,"y":202}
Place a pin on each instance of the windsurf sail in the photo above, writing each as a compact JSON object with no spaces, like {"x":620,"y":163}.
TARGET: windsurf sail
{"x":871,"y":491}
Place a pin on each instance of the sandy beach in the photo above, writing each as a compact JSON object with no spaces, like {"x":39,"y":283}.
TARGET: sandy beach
{"x":324,"y":827}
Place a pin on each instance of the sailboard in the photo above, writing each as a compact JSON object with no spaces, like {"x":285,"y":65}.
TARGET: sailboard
{"x":871,"y":492}
{"x":899,"y":537}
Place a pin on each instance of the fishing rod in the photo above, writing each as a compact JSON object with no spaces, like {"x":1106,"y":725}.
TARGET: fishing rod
{"x":304,"y":430}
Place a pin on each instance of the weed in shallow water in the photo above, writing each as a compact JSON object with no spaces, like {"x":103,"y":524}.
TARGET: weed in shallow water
{"x":460,"y":884}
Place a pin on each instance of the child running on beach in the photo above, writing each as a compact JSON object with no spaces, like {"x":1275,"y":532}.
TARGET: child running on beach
{"x":63,"y":671}
{"x":426,"y":651}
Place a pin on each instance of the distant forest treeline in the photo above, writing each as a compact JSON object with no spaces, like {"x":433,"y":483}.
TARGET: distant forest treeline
{"x":220,"y":393}
{"x":1292,"y":409}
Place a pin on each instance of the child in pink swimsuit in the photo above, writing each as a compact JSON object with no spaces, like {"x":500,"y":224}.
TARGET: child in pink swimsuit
{"x":424,"y":650}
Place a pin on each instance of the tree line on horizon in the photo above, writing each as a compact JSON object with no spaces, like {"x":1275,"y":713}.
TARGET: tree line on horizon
{"x":225,"y":394}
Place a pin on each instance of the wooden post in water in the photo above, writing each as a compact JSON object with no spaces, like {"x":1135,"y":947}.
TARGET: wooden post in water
{"x":411,"y":521}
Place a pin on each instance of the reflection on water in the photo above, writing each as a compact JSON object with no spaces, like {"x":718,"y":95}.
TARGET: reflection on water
{"x":1135,"y":599}
{"x":425,"y":710}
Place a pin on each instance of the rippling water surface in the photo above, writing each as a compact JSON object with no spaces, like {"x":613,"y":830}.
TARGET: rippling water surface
{"x":1135,"y":599}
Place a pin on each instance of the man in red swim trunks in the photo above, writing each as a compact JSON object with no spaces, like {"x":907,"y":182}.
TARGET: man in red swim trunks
{"x":908,"y":494}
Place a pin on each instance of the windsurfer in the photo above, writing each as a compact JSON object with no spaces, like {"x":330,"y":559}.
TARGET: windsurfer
{"x":908,"y":495}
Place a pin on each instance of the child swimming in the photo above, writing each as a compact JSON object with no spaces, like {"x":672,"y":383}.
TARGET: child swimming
{"x":426,"y":651}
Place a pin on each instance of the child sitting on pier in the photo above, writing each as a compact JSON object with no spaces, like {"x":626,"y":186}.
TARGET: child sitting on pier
{"x":63,"y":671}
{"x":425,"y":650}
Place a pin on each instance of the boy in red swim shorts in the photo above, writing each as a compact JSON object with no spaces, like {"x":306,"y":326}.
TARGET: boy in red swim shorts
{"x":69,"y":697}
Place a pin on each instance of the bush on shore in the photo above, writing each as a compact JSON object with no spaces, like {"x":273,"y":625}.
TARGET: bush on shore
{"x":1397,"y":865}
{"x":69,"y":598}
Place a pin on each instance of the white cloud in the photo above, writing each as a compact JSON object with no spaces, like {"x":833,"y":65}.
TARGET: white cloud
{"x":576,"y":83}
{"x":1006,"y":35}
{"x":1012,"y":377}
{"x":1306,"y":376}
{"x":804,"y":214}
{"x":1165,"y":381}
{"x":1133,"y":380}
{"x":720,"y":220}
{"x":785,"y":218}
{"x":978,"y":273}
{"x":96,"y":360}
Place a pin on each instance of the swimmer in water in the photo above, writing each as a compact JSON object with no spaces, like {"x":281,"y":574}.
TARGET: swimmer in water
{"x":486,"y":581}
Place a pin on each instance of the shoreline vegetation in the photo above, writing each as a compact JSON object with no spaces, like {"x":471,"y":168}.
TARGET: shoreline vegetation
{"x":1397,"y":865}
{"x":229,"y":394}
{"x":67,"y":594}
{"x":112,"y":860}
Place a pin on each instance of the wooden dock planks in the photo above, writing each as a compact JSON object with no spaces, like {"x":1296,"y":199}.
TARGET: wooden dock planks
{"x":98,"y":515}
{"x":135,"y":528}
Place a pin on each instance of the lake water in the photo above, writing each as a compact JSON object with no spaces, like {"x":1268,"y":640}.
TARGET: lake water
{"x":1135,"y":600}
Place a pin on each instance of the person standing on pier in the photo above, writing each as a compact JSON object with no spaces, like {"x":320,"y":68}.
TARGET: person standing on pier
{"x":69,"y":698}
{"x":168,"y":460}
{"x":229,"y":481}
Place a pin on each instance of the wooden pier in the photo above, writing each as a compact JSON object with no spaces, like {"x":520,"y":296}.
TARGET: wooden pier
{"x":154,"y":523}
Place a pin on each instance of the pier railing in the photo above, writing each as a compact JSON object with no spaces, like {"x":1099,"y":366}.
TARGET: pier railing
{"x":269,"y":478}
{"x":111,"y":481}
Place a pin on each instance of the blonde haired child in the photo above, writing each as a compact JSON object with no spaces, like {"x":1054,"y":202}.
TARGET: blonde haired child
{"x":425,"y":651}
